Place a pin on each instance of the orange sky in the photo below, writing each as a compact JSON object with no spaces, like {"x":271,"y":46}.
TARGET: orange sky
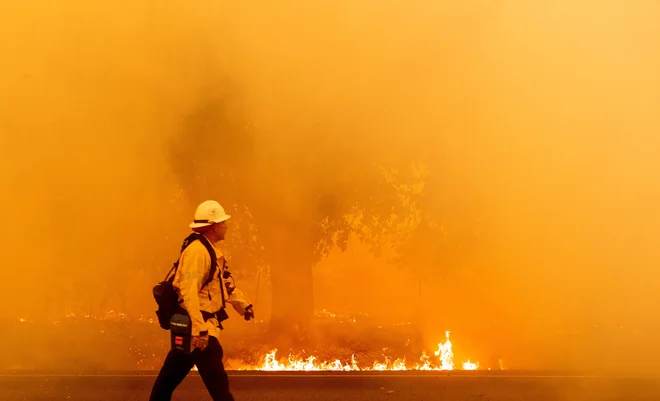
{"x":540,"y":121}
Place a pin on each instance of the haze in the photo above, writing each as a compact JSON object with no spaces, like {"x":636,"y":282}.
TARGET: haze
{"x":539,"y":125}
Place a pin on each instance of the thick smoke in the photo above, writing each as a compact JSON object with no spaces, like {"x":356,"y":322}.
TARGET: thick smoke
{"x":537,"y":124}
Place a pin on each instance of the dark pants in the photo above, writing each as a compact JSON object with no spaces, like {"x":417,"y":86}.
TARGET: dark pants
{"x":177,"y":366}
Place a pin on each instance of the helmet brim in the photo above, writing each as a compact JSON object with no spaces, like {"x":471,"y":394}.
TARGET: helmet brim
{"x":218,"y":220}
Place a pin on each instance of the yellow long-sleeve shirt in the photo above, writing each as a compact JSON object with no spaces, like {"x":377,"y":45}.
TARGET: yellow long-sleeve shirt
{"x":194,"y":268}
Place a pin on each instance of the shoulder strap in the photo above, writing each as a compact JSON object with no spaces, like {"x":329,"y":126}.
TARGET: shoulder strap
{"x":214,"y":259}
{"x":186,"y":242}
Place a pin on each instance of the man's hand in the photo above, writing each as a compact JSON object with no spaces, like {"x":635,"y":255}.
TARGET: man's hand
{"x":249,"y":313}
{"x":201,"y":341}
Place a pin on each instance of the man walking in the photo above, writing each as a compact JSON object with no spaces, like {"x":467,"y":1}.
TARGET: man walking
{"x":203,"y":299}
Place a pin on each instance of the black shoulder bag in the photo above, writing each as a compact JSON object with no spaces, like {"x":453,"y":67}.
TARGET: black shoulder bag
{"x":164,"y":293}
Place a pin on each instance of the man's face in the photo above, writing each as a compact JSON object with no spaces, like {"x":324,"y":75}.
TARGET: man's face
{"x":220,"y":229}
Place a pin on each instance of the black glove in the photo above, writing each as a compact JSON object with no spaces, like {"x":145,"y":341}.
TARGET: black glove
{"x":249,"y":313}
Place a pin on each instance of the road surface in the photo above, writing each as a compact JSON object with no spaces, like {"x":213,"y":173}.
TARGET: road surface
{"x":339,"y":387}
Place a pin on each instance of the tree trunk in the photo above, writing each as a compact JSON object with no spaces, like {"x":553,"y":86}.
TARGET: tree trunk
{"x":293,"y":295}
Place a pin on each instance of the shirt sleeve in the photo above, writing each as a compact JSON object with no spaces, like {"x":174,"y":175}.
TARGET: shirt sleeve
{"x":188,"y":281}
{"x":235,"y":297}
{"x":238,"y":301}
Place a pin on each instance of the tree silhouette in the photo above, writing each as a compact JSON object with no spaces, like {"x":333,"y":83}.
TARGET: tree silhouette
{"x":299,"y":184}
{"x":294,"y":197}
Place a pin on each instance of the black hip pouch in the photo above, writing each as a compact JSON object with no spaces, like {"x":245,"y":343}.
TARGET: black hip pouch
{"x":221,"y":315}
{"x":181,"y":333}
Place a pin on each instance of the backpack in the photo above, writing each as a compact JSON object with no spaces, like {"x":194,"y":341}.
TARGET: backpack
{"x":164,"y":293}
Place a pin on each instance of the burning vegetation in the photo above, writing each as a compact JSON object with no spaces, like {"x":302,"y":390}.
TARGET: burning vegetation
{"x":453,"y":163}
{"x":444,"y":360}
{"x":383,"y":348}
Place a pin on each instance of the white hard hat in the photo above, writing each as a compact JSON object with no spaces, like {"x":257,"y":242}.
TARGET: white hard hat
{"x":207,"y":213}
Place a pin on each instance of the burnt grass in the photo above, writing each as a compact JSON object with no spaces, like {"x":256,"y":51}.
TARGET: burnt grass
{"x":88,"y":345}
{"x":82,"y":345}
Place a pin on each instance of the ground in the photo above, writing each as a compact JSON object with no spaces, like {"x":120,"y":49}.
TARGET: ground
{"x":339,"y":387}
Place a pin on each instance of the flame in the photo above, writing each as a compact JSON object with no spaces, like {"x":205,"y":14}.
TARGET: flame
{"x":446,"y":354}
{"x":444,"y":361}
